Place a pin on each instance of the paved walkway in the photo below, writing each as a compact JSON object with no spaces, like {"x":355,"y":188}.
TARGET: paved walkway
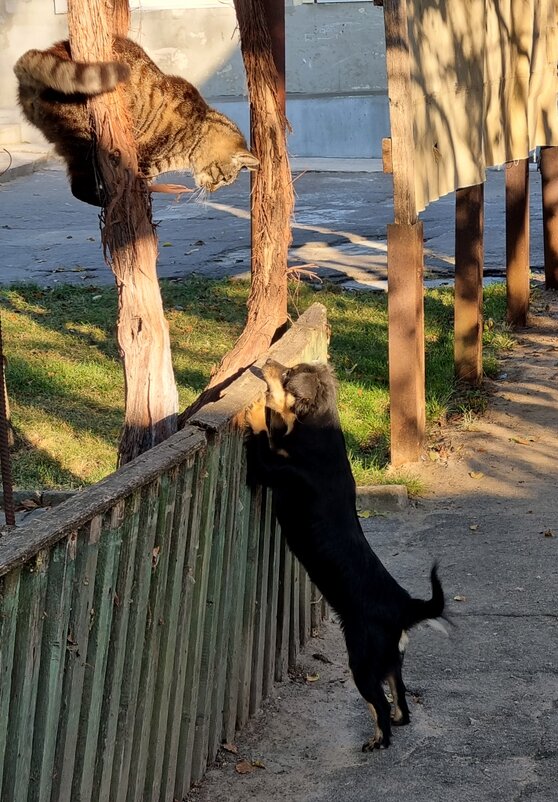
{"x":48,"y":237}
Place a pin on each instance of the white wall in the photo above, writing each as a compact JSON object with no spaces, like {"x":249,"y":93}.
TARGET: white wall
{"x":335,"y":64}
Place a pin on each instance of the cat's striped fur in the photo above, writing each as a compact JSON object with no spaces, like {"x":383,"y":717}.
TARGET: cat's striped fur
{"x":174,"y":127}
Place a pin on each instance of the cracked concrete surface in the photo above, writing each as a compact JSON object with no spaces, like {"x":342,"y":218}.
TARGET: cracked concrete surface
{"x":49,"y":237}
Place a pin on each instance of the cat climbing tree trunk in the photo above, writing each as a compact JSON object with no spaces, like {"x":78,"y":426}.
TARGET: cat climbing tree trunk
{"x":129,"y":242}
{"x":272,"y":190}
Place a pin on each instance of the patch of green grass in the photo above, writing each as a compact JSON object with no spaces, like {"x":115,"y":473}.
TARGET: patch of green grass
{"x":67,"y":391}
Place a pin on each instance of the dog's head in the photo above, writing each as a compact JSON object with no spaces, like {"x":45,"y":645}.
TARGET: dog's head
{"x":301,"y":392}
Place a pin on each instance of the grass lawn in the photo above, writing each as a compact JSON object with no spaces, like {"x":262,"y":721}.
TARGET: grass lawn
{"x":66,"y":385}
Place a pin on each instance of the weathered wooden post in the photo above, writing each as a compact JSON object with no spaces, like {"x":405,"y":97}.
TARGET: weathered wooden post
{"x":469,"y":264}
{"x":549,"y":177}
{"x":517,"y":242}
{"x":405,"y":254}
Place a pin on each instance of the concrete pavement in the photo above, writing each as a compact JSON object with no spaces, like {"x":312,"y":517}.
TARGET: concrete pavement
{"x":48,"y":237}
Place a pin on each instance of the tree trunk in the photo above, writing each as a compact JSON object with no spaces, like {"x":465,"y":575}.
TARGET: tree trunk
{"x":272,"y":197}
{"x":129,"y":242}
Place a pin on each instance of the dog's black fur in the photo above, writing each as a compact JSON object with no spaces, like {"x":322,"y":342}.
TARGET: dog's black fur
{"x":301,"y":454}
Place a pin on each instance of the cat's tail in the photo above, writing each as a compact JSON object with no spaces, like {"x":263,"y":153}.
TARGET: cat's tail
{"x":45,"y":69}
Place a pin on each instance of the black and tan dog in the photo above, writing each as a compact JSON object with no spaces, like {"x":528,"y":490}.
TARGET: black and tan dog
{"x":298,"y":449}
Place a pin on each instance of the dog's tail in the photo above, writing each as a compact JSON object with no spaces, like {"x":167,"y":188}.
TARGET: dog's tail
{"x":423,"y":609}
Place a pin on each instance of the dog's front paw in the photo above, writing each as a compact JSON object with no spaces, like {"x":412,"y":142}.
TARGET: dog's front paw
{"x":255,"y":416}
{"x":377,"y":741}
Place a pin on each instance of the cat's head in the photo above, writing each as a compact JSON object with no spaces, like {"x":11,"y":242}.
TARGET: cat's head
{"x":220,"y":155}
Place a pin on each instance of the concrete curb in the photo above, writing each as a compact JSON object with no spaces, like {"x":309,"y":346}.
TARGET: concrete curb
{"x":46,"y":498}
{"x":23,"y":163}
{"x":382,"y":498}
{"x":377,"y":498}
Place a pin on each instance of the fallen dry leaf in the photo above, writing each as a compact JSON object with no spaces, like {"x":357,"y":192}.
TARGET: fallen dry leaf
{"x":312,"y":677}
{"x":364,"y":513}
{"x":460,"y":598}
{"x":230,"y":748}
{"x":433,"y":456}
{"x":522,"y":441}
{"x":473,"y":527}
{"x":258,"y":764}
{"x":244,"y":767}
{"x":476,"y":474}
{"x":548,"y":533}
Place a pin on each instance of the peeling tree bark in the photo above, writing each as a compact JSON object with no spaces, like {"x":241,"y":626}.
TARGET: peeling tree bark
{"x":129,"y":242}
{"x":272,"y":200}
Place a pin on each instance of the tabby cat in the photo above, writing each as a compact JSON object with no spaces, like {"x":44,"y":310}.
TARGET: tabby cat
{"x":174,"y":127}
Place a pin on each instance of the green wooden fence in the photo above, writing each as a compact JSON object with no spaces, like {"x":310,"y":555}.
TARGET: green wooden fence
{"x":143,"y":621}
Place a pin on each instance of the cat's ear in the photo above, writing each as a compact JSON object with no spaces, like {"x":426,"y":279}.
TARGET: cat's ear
{"x":243,"y":158}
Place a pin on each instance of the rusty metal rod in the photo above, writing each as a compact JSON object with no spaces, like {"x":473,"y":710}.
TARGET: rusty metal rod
{"x":5,"y":459}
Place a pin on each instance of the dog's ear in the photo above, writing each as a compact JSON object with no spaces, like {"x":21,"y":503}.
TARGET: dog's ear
{"x":303,"y":386}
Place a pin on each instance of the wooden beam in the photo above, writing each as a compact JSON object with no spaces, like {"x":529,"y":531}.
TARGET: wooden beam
{"x":549,"y":178}
{"x":469,"y":262}
{"x":406,"y":341}
{"x":517,"y":242}
{"x":405,"y":252}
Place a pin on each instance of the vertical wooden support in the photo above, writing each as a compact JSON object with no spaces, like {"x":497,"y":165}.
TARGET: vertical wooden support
{"x":549,"y":177}
{"x":405,"y":253}
{"x":469,"y":261}
{"x":406,"y":341}
{"x":517,"y":242}
{"x":274,"y":11}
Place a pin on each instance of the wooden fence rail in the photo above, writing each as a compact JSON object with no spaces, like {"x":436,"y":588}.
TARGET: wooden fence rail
{"x":143,"y":621}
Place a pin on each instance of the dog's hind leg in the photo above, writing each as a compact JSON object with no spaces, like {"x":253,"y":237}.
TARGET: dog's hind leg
{"x":372,"y":692}
{"x":400,"y":714}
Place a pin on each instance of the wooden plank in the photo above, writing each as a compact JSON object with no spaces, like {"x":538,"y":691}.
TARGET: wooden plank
{"x":406,"y":341}
{"x":238,"y":567}
{"x":398,"y":63}
{"x":294,"y":625}
{"x":25,"y":678}
{"x":53,"y":656}
{"x":135,"y":641}
{"x":305,"y":608}
{"x":208,"y":477}
{"x":97,"y":654}
{"x":283,"y":613}
{"x":469,"y":264}
{"x":9,"y":600}
{"x":317,"y":612}
{"x":517,"y":242}
{"x":226,"y":619}
{"x":258,"y":654}
{"x":54,"y":525}
{"x":387,"y":160}
{"x":169,"y":640}
{"x":215,"y":583}
{"x":152,"y":640}
{"x":272,"y":602}
{"x":549,"y":183}
{"x":87,"y":546}
{"x":127,"y":516}
{"x":249,"y":615}
{"x":189,"y":530}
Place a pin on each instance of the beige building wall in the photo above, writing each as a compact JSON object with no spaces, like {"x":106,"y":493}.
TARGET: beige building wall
{"x":335,"y":63}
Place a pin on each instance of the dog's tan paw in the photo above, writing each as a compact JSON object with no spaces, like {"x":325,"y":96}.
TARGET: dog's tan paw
{"x":255,"y":416}
{"x":375,"y":742}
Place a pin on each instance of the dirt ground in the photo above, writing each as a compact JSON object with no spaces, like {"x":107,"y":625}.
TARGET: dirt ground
{"x":484,"y":701}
